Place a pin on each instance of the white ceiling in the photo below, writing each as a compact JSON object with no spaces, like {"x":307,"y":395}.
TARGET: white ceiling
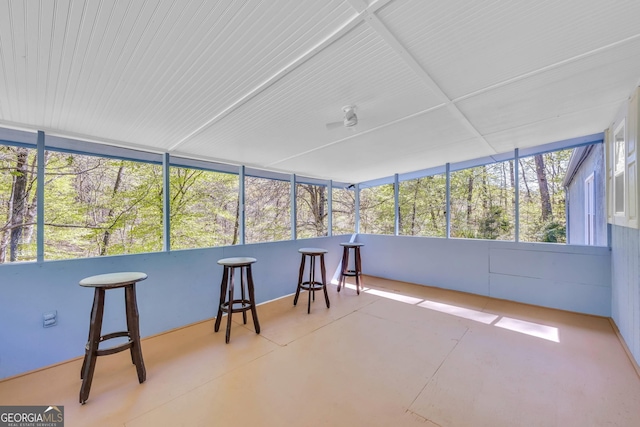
{"x":254,"y":82}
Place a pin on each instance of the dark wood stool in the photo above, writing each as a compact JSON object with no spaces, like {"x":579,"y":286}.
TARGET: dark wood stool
{"x":357,"y":265}
{"x":312,"y":285}
{"x":230,"y":306}
{"x":101,"y":283}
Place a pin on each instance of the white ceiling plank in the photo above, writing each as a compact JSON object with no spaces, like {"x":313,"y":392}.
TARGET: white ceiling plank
{"x":6,"y":62}
{"x":255,"y":82}
{"x":404,"y":54}
{"x":346,"y":28}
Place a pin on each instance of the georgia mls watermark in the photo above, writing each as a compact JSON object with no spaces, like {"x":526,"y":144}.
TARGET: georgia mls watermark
{"x":31,"y":416}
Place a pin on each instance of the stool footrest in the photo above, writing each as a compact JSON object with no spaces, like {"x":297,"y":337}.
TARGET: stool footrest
{"x":246,"y":306}
{"x":351,"y":273}
{"x":115,"y":349}
{"x":312,"y":286}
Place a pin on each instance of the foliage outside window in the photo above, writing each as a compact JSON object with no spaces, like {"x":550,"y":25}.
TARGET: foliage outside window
{"x":343,"y":206}
{"x":423,"y":206}
{"x":267,"y":210}
{"x":482,"y":202}
{"x":311,"y":210}
{"x":98,"y":206}
{"x":377,"y":210}
{"x":542,"y":197}
{"x":204,"y":208}
{"x":18,"y":178}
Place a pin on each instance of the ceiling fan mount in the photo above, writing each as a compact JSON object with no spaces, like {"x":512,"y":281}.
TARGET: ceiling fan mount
{"x":350,"y":118}
{"x":349,"y":121}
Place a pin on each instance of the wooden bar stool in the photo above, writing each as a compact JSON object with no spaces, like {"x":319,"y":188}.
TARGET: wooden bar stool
{"x":312,"y":285}
{"x":101,"y":283}
{"x":243,"y":304}
{"x":357,"y":265}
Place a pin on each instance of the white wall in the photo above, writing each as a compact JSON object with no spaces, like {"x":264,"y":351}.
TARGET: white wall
{"x":574,"y":278}
{"x":182,"y":288}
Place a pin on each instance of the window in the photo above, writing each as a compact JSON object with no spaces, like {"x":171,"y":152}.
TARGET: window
{"x":482,"y":202}
{"x":618,"y":169}
{"x":98,"y":206}
{"x":18,"y":178}
{"x":343,"y":210}
{"x":589,"y":210}
{"x":204,"y":208}
{"x":542,"y":197}
{"x":423,"y":206}
{"x":311,"y":210}
{"x":267,"y":210}
{"x":377,"y":210}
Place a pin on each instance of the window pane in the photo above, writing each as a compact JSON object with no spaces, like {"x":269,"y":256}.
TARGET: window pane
{"x":377,"y":210}
{"x":267,"y":210}
{"x":204,"y":208}
{"x":343,"y":209}
{"x":18,"y":169}
{"x":311,"y":210}
{"x":423,"y":206}
{"x":97,"y":206}
{"x":482,"y":202}
{"x":542,"y":197}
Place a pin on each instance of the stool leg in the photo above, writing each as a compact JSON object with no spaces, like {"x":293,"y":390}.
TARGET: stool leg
{"x":295,"y":299}
{"x":312,"y":268}
{"x":86,"y":353}
{"x":343,"y":270}
{"x":91,"y":349}
{"x":324,"y":280}
{"x":230,"y":306}
{"x":358,"y":268}
{"x":223,"y":291}
{"x":126,"y":306}
{"x":243,"y":273}
{"x":133,"y":326}
{"x":252,"y":300}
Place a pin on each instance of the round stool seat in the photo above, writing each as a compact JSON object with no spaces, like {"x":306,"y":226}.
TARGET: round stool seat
{"x":113,"y":280}
{"x":312,"y":251}
{"x":352,"y":244}
{"x":236,"y":261}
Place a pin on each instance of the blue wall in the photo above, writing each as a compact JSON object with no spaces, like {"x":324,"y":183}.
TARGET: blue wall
{"x":625,"y":281}
{"x":573,"y":278}
{"x":594,"y":163}
{"x":182,"y":288}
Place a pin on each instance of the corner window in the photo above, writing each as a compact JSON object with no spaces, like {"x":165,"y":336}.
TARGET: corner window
{"x":267,"y":210}
{"x":97,"y":206}
{"x":205,"y":208}
{"x":311,"y":210}
{"x":18,"y":169}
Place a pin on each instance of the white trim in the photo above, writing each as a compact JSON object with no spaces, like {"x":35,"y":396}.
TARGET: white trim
{"x":589,"y":210}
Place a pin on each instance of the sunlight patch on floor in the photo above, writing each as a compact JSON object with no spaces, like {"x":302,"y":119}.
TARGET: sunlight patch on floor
{"x":534,"y":329}
{"x":537,"y":330}
{"x":467,"y":313}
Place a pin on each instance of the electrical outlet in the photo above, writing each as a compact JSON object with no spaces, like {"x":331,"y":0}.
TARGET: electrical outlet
{"x":50,"y":319}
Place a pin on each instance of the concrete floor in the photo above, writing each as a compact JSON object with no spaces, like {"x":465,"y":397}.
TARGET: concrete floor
{"x":396,"y":355}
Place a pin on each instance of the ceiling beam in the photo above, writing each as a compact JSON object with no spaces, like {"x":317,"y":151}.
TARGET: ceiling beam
{"x":362,"y":10}
{"x":381,"y":29}
{"x":335,"y":36}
